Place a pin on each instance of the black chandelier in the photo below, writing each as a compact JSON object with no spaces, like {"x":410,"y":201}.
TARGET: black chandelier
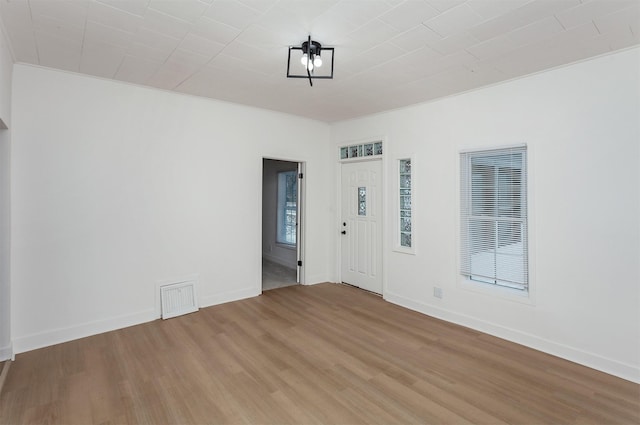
{"x":312,"y":56}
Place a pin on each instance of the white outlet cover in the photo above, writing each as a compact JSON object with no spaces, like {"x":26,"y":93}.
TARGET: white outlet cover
{"x":437,"y":292}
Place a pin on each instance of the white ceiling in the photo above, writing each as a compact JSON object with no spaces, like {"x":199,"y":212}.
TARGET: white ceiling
{"x":388,"y":53}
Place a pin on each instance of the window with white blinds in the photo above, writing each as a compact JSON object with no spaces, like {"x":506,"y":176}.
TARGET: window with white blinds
{"x":493,"y":212}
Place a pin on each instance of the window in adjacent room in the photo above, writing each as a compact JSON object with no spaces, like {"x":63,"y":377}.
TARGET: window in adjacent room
{"x":493,"y":212}
{"x":287,"y":207}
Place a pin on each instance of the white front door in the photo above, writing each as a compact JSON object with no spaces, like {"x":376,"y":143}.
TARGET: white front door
{"x":361,"y":225}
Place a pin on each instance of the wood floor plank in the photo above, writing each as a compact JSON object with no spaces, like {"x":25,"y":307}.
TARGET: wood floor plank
{"x":314,"y":355}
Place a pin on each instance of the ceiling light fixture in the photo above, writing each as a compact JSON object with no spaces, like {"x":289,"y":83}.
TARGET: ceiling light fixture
{"x":311,"y":57}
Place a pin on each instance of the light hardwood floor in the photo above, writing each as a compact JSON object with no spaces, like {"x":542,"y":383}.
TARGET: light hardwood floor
{"x":320,"y":354}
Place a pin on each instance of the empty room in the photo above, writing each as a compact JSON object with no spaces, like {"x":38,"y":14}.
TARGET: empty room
{"x":320,"y":211}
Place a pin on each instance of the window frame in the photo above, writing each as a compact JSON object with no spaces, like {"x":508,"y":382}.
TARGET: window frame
{"x":524,"y":294}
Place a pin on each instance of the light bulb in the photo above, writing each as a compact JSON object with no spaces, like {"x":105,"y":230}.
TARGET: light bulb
{"x":310,"y":68}
{"x":303,"y":59}
{"x":317,"y":61}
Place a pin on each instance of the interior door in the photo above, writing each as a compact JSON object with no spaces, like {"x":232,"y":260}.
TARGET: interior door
{"x":361,"y":226}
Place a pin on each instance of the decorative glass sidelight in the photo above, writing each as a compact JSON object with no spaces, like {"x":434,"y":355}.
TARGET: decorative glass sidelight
{"x":362,"y":201}
{"x":404,"y":167}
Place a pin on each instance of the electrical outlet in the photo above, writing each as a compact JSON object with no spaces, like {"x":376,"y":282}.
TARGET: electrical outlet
{"x":437,"y":292}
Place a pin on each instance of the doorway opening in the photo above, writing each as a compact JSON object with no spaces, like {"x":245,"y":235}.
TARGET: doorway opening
{"x":282,"y":193}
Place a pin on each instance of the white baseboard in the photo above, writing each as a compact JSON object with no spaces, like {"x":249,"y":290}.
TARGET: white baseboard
{"x":6,"y":353}
{"x":315,"y":279}
{"x":229,"y":296}
{"x":57,"y":336}
{"x":610,"y":366}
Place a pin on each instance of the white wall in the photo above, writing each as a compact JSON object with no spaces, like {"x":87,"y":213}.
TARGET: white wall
{"x":271,"y":250}
{"x":581,"y":126}
{"x":6,"y":67}
{"x":118,"y":187}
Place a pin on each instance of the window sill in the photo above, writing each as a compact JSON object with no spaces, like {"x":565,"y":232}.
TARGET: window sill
{"x":404,"y":250}
{"x":286,"y":246}
{"x":510,"y":294}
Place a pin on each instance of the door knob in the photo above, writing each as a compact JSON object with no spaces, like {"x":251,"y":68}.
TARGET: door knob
{"x":344,"y":232}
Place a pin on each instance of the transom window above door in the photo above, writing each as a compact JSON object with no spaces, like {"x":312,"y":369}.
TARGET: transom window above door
{"x":361,"y":150}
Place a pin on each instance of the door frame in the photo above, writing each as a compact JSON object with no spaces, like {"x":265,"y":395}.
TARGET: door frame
{"x":301,"y":216}
{"x":338,"y":198}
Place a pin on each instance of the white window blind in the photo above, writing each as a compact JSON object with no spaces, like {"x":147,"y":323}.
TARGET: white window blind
{"x":494,"y":216}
